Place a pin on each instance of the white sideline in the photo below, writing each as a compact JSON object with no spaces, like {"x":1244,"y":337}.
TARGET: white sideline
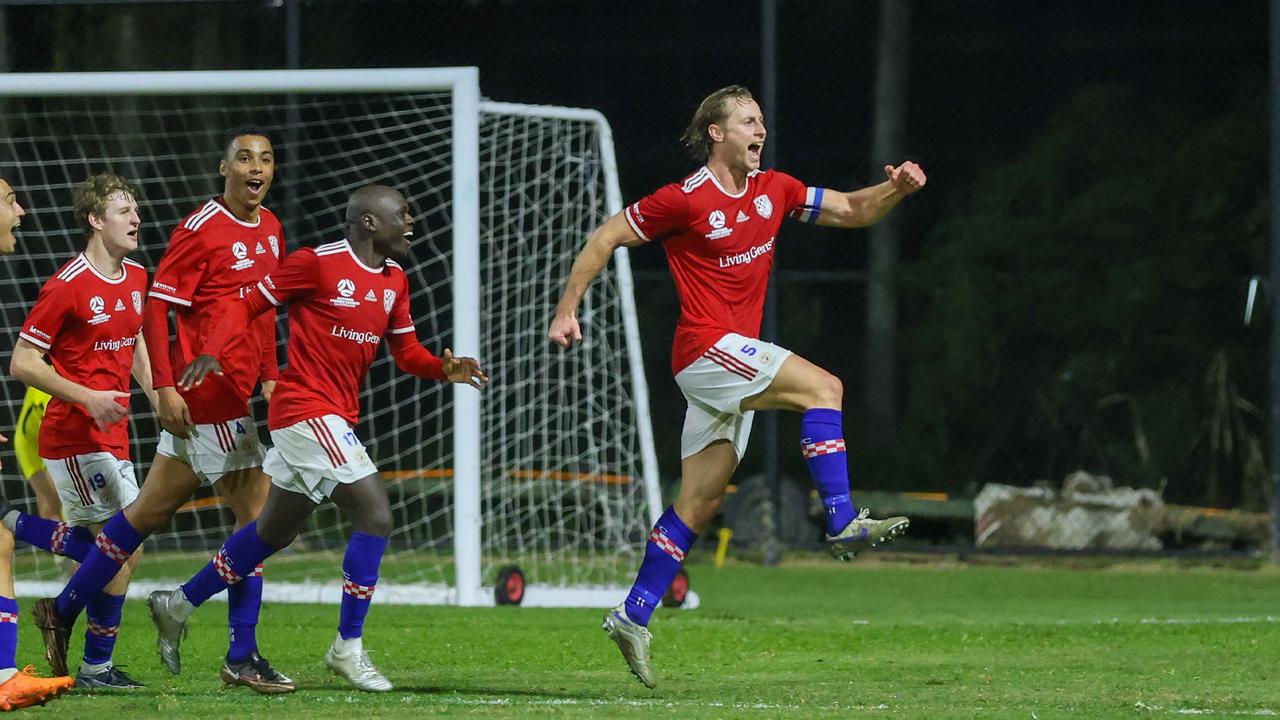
{"x":388,"y":594}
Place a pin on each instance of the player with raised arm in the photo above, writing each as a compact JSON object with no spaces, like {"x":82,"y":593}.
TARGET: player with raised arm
{"x":215,"y":256}
{"x":718,"y":227}
{"x":18,"y":688}
{"x":88,"y":320}
{"x":342,"y":298}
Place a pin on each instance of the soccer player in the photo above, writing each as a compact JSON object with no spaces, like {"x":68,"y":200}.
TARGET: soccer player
{"x":88,"y":320}
{"x":26,"y":448}
{"x":343,"y":298}
{"x":718,"y":227}
{"x":215,"y":256}
{"x":18,"y":688}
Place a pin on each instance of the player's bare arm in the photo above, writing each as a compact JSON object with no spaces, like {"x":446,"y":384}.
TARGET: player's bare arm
{"x":869,"y":205}
{"x":28,"y":367}
{"x":141,"y":371}
{"x":614,"y":233}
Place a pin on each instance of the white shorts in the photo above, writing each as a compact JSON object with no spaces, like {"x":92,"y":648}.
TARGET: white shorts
{"x":93,"y":486}
{"x":216,"y":449}
{"x":734,"y":369}
{"x":314,"y":457}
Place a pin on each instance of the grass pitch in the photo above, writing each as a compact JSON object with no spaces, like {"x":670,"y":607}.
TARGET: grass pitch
{"x":879,"y":639}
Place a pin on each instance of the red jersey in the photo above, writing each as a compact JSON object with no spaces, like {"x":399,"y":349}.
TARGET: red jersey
{"x":214,"y":257}
{"x":339,"y":309}
{"x":88,"y":324}
{"x":720,"y":250}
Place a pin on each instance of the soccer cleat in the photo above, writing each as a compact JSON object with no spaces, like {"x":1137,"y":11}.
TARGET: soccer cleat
{"x":169,"y":629}
{"x":26,"y":688}
{"x":633,"y":640}
{"x":55,"y":632}
{"x":864,"y":532}
{"x":113,"y":678}
{"x":357,"y":668}
{"x":256,"y":674}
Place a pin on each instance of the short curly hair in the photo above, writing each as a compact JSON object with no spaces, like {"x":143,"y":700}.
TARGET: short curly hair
{"x":714,"y":109}
{"x":92,"y":196}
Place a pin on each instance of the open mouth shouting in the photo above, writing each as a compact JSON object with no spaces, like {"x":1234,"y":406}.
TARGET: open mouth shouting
{"x":754,"y":150}
{"x":256,"y":187}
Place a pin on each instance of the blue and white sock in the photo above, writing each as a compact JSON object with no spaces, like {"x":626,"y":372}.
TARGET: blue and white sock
{"x":8,"y":634}
{"x":669,"y":542}
{"x":54,"y":536}
{"x":244,"y":603}
{"x":359,"y":578}
{"x":822,"y":433}
{"x":103,"y":624}
{"x":113,"y":546}
{"x":236,"y":559}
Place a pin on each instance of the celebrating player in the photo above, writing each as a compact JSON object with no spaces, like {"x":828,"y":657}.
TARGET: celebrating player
{"x":343,"y":297}
{"x":88,"y":320}
{"x":18,"y":688}
{"x":718,"y":227}
{"x":215,"y":256}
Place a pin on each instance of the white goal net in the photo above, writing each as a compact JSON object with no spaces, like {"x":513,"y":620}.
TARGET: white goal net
{"x":550,"y":469}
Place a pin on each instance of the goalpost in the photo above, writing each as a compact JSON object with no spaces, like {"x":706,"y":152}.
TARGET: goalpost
{"x":551,"y":468}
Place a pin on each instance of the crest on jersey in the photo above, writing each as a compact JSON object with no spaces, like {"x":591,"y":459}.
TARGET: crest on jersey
{"x":137,"y":302}
{"x":388,"y":299}
{"x":716,"y":219}
{"x":764,"y":206}
{"x":275,"y":245}
{"x":96,"y":305}
{"x":346,"y":288}
{"x":240,"y":250}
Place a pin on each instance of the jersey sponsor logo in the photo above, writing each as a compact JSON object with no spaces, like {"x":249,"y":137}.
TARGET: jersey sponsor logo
{"x":743,"y":217}
{"x":259,"y":250}
{"x":388,"y":300}
{"x":346,"y":289}
{"x":137,"y":301}
{"x":275,"y":244}
{"x":370,"y":297}
{"x":114,"y":344}
{"x":357,"y":336}
{"x":764,"y":206}
{"x":241,"y":251}
{"x":119,"y":305}
{"x":635,"y":213}
{"x":38,"y":332}
{"x":746,"y":257}
{"x":96,"y":306}
{"x":162,"y":286}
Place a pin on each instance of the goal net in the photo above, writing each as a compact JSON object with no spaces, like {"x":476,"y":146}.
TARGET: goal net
{"x":550,"y":469}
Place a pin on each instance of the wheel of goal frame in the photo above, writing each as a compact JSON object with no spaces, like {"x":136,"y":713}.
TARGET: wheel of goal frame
{"x":509,"y":589}
{"x":679,"y":590}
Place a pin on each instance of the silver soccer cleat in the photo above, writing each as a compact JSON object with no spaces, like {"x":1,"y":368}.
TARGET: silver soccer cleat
{"x":169,"y":629}
{"x":865,"y":532}
{"x":633,"y":640}
{"x":358,"y":669}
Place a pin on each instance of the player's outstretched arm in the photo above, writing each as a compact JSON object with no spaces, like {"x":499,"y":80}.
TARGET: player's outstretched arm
{"x":236,"y":315}
{"x":28,"y":366}
{"x":869,"y":205}
{"x":614,"y":233}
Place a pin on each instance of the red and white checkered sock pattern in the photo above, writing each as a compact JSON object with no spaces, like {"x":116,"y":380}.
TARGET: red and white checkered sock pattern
{"x":659,"y":538}
{"x":825,"y":447}
{"x":102,"y":630}
{"x":58,"y":542}
{"x":110,"y":549}
{"x":257,"y":572}
{"x":223,"y":566}
{"x":8,"y":617}
{"x":358,"y":591}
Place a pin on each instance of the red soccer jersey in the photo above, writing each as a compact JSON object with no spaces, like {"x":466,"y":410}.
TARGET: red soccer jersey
{"x":720,"y":250}
{"x":88,"y":324}
{"x":339,"y":309}
{"x":214,"y":257}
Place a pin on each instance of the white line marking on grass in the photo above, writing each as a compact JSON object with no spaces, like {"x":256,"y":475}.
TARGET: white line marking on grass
{"x":1257,"y":712}
{"x":600,"y":702}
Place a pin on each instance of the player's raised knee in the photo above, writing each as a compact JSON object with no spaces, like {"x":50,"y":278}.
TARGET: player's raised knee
{"x":828,"y":391}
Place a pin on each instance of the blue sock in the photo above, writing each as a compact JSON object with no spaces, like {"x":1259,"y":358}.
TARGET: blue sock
{"x":113,"y":546}
{"x":668,"y":543}
{"x":359,"y":577}
{"x":822,"y":430}
{"x":244,"y":602}
{"x":237,"y":558}
{"x":8,"y":633}
{"x":55,"y":536}
{"x":103,"y":620}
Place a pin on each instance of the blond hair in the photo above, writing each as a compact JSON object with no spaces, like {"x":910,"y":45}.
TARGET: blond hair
{"x":713,"y":110}
{"x":92,"y":195}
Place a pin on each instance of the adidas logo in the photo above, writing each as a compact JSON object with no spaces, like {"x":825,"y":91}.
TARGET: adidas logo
{"x":742,"y":217}
{"x":260,"y":250}
{"x":371,"y":297}
{"x":119,"y":305}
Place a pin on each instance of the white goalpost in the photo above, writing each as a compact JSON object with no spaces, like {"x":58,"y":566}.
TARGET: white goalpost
{"x":551,"y":468}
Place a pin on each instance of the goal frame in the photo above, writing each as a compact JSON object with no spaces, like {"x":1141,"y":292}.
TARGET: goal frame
{"x":467,"y":106}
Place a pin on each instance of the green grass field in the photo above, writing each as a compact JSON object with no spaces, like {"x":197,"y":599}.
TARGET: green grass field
{"x":879,"y":639}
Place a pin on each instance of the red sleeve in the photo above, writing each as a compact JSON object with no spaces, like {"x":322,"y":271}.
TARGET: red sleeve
{"x":155,"y":330}
{"x":413,"y":358}
{"x":660,"y":214}
{"x":401,"y":318}
{"x":181,"y":268}
{"x":236,"y":316}
{"x":54,"y":305}
{"x":270,"y":368}
{"x":294,"y":278}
